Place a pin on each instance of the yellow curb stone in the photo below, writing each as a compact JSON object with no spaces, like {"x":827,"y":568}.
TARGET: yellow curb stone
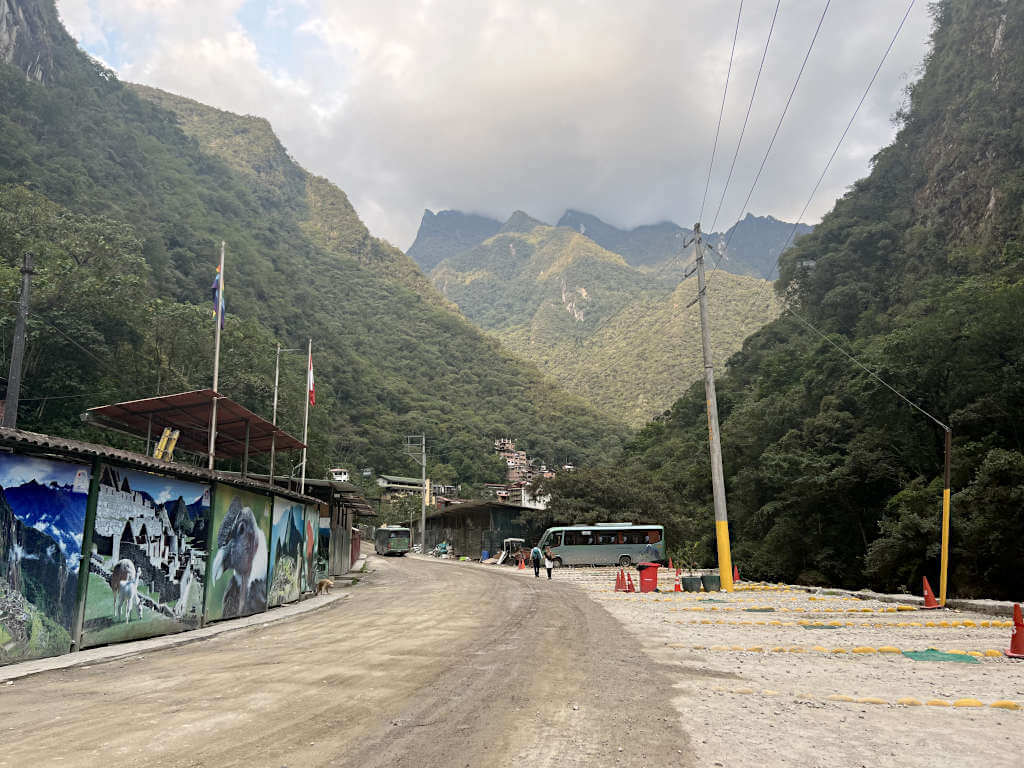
{"x":743,"y":690}
{"x":871,"y":700}
{"x":1003,"y":704}
{"x":993,"y":653}
{"x":967,"y":703}
{"x":937,"y":703}
{"x":863,"y":649}
{"x":840,"y":697}
{"x":838,"y":650}
{"x":888,"y":649}
{"x":770,"y":692}
{"x":908,"y":701}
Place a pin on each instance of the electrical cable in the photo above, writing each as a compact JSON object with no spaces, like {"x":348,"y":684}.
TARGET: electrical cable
{"x":746,"y":118}
{"x":721,"y":111}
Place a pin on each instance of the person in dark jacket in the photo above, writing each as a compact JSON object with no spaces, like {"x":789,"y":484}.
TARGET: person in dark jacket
{"x":535,"y":558}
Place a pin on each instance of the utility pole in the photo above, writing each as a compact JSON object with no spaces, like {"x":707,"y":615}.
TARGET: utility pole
{"x":10,"y":419}
{"x":717,"y":476}
{"x":417,"y":444}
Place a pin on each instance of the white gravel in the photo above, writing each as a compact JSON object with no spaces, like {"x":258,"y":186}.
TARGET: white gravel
{"x":754,"y":684}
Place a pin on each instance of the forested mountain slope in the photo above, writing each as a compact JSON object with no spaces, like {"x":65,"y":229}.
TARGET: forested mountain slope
{"x":620,"y":336}
{"x":124,"y":194}
{"x":919,"y":272}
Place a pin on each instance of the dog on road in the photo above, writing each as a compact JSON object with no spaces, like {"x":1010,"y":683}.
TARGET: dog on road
{"x":323,"y":587}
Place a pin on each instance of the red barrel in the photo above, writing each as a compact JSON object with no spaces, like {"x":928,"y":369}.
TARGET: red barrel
{"x":648,"y":576}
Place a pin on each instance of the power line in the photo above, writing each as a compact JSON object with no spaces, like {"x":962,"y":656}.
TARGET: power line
{"x":746,"y":118}
{"x":859,"y":364}
{"x":778,"y":126}
{"x":835,"y":151}
{"x":721,"y":111}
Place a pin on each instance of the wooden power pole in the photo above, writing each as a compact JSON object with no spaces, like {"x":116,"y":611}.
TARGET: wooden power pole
{"x":10,"y":419}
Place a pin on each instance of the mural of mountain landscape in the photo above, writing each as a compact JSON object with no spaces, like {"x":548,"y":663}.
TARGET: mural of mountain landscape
{"x":148,"y":563}
{"x":241,"y":525}
{"x":287,"y":548}
{"x":311,"y":548}
{"x":42,"y":517}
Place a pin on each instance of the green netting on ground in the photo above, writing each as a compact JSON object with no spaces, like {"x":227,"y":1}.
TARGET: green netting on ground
{"x":759,"y":610}
{"x":819,"y":626}
{"x":933,"y":655}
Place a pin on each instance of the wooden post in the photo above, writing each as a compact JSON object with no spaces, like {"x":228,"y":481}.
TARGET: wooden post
{"x":78,"y":619}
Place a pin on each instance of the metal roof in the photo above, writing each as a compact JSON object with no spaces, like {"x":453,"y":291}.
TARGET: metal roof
{"x":189,"y":413}
{"x":35,"y":442}
{"x":475,"y":506}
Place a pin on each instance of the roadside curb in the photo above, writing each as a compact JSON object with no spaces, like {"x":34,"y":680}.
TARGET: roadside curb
{"x":106,"y":653}
{"x":989,"y":607}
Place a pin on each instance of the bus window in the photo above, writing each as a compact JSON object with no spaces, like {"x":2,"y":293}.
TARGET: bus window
{"x":652,"y":536}
{"x":554,"y":539}
{"x":575,"y":538}
{"x":607,"y":538}
{"x":633,"y":537}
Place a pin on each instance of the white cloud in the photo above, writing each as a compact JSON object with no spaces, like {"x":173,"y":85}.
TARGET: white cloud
{"x":599,"y":105}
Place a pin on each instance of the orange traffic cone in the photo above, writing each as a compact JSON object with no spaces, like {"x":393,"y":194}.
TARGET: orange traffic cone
{"x":929,"y":596}
{"x":620,"y":582}
{"x":629,"y":584}
{"x":678,"y":586}
{"x":1016,"y":649}
{"x":670,"y":564}
{"x":522,"y":564}
{"x":735,"y":573}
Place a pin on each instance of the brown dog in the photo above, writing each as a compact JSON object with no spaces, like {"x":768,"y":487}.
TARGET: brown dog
{"x":323,"y":587}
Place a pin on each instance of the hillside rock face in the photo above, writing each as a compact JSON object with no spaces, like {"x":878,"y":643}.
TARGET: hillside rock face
{"x":446,"y":232}
{"x":29,"y":34}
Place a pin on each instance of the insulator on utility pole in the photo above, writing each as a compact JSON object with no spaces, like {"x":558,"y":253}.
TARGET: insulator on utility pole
{"x":18,"y":347}
{"x":717,"y":475}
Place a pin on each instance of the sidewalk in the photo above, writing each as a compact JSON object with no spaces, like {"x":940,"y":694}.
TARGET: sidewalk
{"x":109,"y":652}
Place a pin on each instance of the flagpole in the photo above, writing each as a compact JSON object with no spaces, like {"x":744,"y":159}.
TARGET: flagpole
{"x":305,"y":419}
{"x":216,"y":355}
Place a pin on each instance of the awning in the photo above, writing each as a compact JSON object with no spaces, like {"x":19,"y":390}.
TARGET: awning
{"x":189,"y":413}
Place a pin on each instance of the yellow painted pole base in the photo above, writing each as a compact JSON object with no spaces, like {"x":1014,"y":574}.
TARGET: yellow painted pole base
{"x":724,"y":555}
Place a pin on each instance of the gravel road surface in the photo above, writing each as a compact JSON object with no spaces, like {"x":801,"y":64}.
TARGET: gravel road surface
{"x":429,"y":663}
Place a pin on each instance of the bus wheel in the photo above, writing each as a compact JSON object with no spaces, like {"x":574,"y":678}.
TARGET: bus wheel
{"x":625,"y":561}
{"x":557,"y":562}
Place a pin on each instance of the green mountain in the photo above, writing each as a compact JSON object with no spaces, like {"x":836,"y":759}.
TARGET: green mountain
{"x":446,"y":232}
{"x":124,"y":194}
{"x":621,"y":337}
{"x":754,"y":243}
{"x":918,"y":271}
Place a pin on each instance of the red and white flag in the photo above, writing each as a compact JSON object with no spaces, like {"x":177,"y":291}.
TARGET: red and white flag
{"x":309,"y":382}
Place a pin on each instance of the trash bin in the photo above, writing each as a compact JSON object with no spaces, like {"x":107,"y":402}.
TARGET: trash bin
{"x":484,"y":555}
{"x":648,"y":576}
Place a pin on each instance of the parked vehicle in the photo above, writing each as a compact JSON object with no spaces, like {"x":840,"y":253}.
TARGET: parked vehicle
{"x":515,"y":550}
{"x":391,"y":540}
{"x":620,"y":544}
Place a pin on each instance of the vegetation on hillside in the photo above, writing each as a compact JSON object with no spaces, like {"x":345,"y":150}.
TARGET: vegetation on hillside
{"x":125,"y":193}
{"x":919,"y":272}
{"x":622,"y":338}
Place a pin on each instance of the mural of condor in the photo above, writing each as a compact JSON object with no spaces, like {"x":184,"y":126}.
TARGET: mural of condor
{"x":147,"y":568}
{"x":42,"y":521}
{"x":241,"y":532}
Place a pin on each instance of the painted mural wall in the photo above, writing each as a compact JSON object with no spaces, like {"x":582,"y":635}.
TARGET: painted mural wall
{"x":311,"y":536}
{"x":42,"y":517}
{"x":241,"y":535}
{"x":147,"y":568}
{"x":287,"y":547}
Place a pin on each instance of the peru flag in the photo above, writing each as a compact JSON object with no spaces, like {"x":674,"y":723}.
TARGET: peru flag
{"x":309,"y":382}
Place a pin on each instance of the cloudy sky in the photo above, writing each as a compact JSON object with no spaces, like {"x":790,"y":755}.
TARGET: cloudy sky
{"x":604,"y":106}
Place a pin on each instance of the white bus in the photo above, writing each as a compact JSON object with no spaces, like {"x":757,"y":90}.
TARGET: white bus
{"x":622,"y":544}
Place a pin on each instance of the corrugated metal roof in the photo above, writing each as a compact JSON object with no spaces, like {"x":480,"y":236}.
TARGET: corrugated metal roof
{"x":189,"y":413}
{"x":36,"y":442}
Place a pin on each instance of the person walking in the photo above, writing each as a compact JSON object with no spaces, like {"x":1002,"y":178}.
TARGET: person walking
{"x":535,"y":557}
{"x":549,"y":563}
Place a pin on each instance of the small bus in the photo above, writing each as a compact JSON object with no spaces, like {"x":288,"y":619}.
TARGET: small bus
{"x":621,"y":544}
{"x":391,"y":540}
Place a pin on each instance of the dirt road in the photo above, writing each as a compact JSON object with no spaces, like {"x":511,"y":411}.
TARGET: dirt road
{"x":428,"y":663}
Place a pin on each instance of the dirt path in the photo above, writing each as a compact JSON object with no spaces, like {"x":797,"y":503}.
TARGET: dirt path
{"x":415,"y":669}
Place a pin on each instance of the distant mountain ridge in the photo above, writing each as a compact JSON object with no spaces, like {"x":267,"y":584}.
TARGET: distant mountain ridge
{"x":754,"y":242}
{"x":619,"y":335}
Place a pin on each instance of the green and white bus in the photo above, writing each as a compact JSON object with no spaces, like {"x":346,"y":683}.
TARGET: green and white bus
{"x":620,"y":544}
